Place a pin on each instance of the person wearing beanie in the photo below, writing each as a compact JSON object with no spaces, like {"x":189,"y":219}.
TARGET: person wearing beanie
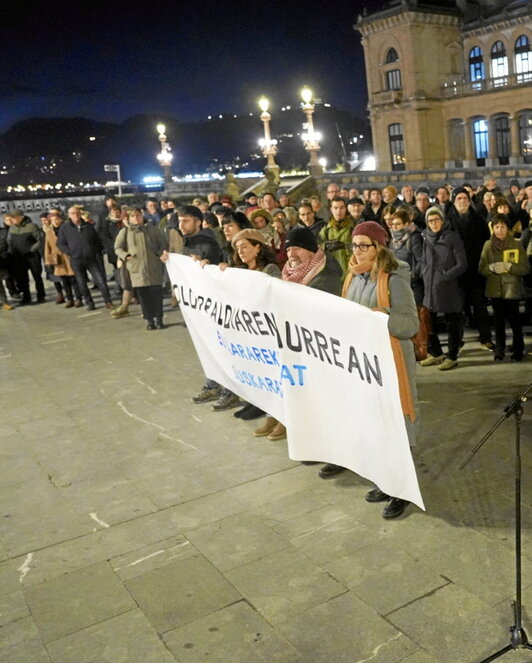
{"x":443,"y":260}
{"x":463,"y":218}
{"x":504,"y":264}
{"x":262,"y":220}
{"x":308,"y":265}
{"x":376,"y":279}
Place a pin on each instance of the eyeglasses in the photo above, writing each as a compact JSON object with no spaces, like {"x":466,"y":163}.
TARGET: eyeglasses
{"x":361,"y":247}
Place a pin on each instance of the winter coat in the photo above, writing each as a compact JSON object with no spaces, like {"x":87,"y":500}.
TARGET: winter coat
{"x":140,"y":247}
{"x":53,"y":256}
{"x":315,"y":228}
{"x":441,"y":265}
{"x":82,"y":245}
{"x":108,"y":233}
{"x":403,"y":323}
{"x":339,"y":231}
{"x":330,"y":277}
{"x":473,"y":231}
{"x":24,"y":239}
{"x":409,"y":248}
{"x":510,"y":284}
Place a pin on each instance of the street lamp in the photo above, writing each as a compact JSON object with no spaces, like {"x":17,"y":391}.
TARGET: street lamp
{"x":165,"y":156}
{"x":311,"y":138}
{"x":269,"y":145}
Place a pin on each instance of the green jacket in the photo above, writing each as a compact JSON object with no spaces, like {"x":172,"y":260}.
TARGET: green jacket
{"x":340,"y":231}
{"x":510,"y":284}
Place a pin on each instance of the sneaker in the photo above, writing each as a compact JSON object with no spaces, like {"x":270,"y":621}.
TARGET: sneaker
{"x":488,"y":345}
{"x":7,"y":307}
{"x":207,"y":394}
{"x":447,"y":364}
{"x":432,"y":361}
{"x":226,"y":402}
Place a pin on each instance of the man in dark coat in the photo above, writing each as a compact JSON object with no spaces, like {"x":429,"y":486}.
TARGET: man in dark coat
{"x":24,"y":240}
{"x":198,"y":241}
{"x":309,"y":265}
{"x":474,"y":232}
{"x":82,"y":244}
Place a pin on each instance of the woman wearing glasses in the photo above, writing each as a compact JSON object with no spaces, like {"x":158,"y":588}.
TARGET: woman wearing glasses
{"x":376,"y":279}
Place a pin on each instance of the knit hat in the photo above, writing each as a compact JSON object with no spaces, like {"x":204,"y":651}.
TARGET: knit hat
{"x":432,"y":211}
{"x":515,"y":183}
{"x":460,"y":189}
{"x":260,"y":212}
{"x":249,"y":233}
{"x":302,"y":237}
{"x":373,"y":230}
{"x":528,"y":183}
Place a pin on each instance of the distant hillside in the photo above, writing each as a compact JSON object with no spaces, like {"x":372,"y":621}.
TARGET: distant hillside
{"x":75,"y":149}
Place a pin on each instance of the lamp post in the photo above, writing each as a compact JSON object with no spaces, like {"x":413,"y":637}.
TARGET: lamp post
{"x":269,"y":146}
{"x":165,"y":156}
{"x":311,"y":138}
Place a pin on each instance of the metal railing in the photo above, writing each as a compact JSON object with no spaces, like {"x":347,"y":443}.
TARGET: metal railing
{"x":459,"y":88}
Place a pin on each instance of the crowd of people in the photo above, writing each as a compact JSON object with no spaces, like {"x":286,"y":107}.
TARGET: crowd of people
{"x":431,"y":260}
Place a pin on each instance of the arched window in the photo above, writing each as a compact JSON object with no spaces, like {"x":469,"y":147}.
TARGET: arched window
{"x":480,"y":137}
{"x":499,"y":64}
{"x":523,"y":59}
{"x":525,"y":135}
{"x":393,"y":79}
{"x":502,"y":139}
{"x":397,"y":146}
{"x":391,"y":56}
{"x":476,"y":67}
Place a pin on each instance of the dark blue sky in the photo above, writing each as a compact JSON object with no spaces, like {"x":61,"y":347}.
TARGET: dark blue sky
{"x":116,"y":59}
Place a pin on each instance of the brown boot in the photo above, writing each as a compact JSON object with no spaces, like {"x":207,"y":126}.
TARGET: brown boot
{"x":278,"y":433}
{"x":266,"y":427}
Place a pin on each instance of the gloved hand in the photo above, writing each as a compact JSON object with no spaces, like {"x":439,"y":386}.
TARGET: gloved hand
{"x":497,"y":267}
{"x":334,"y":245}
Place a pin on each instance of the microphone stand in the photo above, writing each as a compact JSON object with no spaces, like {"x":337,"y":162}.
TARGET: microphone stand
{"x":518,"y":637}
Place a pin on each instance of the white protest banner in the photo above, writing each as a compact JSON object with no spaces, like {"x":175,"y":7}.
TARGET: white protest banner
{"x":318,"y":363}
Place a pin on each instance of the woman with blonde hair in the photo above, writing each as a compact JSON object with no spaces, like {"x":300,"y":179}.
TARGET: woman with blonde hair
{"x":378,"y":280}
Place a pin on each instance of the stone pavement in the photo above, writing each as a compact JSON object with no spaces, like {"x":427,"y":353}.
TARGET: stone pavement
{"x":138,"y":527}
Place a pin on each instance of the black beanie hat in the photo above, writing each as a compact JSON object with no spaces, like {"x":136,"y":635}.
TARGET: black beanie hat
{"x":460,"y":189}
{"x":302,"y":237}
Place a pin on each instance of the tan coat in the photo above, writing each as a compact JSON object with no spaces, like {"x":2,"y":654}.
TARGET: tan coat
{"x":53,"y":256}
{"x":144,"y":246}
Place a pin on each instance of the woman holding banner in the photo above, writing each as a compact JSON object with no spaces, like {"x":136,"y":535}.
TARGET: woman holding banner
{"x":376,"y":279}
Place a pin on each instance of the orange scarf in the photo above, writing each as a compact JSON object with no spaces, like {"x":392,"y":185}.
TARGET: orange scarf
{"x":383,"y":301}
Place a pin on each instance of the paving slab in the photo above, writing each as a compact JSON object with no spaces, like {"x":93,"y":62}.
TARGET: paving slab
{"x":343,"y":629}
{"x":180,"y":592}
{"x":76,"y":600}
{"x":283,"y":584}
{"x":21,"y":642}
{"x":235,"y":633}
{"x":126,"y":638}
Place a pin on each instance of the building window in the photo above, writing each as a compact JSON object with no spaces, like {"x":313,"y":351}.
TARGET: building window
{"x":393,"y":79}
{"x":397,"y":146}
{"x":391,"y":56}
{"x":499,"y":64}
{"x":502,"y":139}
{"x":525,"y":135}
{"x":523,"y":60}
{"x":480,"y":137}
{"x":476,"y":67}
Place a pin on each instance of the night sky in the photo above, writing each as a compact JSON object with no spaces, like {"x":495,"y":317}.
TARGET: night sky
{"x":112,"y":60}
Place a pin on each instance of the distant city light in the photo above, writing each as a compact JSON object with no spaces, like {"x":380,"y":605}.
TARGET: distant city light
{"x":92,"y":138}
{"x":209,"y":117}
{"x":152,"y":179}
